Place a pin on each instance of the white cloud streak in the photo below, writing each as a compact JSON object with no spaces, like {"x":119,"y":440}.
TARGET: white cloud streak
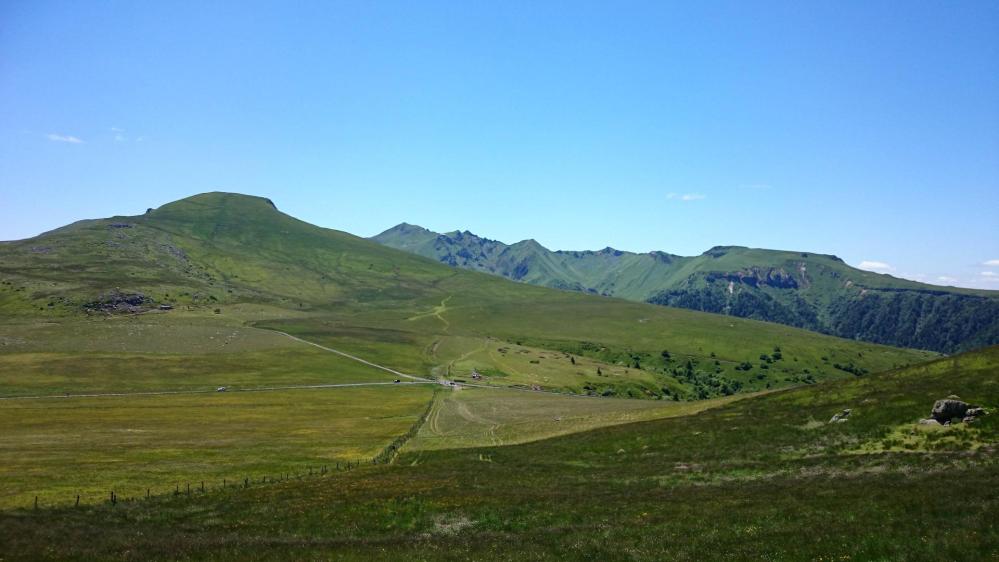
{"x":991,"y":263}
{"x":685,"y":196}
{"x":63,"y":138}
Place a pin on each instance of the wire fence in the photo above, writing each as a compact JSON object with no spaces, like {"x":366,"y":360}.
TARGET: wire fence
{"x":387,"y":455}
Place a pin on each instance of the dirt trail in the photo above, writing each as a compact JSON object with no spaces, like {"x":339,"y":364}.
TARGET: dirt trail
{"x":353,"y":357}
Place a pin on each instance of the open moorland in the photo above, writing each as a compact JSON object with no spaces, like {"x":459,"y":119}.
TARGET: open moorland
{"x":747,"y":479}
{"x":215,"y":379}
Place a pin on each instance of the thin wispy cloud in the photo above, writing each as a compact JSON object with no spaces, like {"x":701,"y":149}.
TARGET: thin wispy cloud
{"x":55,"y":137}
{"x":877,"y":266}
{"x":685,"y":196}
{"x":989,"y":274}
{"x":991,"y":263}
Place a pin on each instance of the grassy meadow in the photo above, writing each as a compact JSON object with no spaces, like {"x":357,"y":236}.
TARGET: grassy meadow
{"x":745,"y":480}
{"x":64,"y":444}
{"x":56,"y":449}
{"x":475,"y":417}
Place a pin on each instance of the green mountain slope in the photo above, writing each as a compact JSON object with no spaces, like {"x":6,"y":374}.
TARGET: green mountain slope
{"x":224,"y":251}
{"x":812,"y":291}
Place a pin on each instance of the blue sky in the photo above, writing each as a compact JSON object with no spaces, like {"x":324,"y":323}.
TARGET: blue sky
{"x":866,"y":129}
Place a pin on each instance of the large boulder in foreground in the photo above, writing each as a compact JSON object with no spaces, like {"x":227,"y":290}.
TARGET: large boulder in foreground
{"x":948,"y":409}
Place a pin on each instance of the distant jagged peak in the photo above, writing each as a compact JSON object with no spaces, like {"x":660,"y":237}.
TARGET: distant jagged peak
{"x":406,"y":227}
{"x":466,"y":236}
{"x":530,"y":244}
{"x":664,"y":257}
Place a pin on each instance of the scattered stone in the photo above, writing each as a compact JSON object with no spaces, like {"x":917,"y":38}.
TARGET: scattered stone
{"x":973,"y":414}
{"x":929,"y":421}
{"x":841,"y":417}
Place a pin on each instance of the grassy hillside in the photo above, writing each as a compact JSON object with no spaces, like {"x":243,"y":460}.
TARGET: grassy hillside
{"x":813,"y":291}
{"x":80,"y":315}
{"x":742,"y":481}
{"x":219,"y":253}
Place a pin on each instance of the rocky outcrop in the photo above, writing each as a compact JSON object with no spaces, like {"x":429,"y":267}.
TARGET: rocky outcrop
{"x":946,"y":410}
{"x":117,"y":302}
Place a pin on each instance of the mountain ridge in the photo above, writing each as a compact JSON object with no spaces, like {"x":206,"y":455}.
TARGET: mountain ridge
{"x":804,"y":289}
